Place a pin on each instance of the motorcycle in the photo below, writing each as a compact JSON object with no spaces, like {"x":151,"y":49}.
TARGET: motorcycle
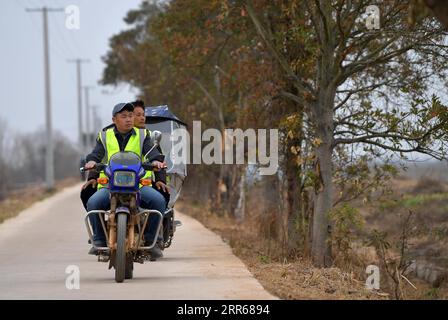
{"x":125,"y":222}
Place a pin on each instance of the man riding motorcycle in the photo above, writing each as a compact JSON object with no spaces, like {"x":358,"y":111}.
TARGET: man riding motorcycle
{"x":123,"y":136}
{"x":90,"y":187}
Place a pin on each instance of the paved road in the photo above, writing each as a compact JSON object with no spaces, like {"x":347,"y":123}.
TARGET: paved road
{"x":37,"y":246}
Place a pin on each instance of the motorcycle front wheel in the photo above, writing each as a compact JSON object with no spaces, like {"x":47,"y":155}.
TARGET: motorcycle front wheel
{"x":120,"y":257}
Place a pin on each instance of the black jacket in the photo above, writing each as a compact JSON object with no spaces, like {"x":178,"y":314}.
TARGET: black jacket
{"x":98,"y":153}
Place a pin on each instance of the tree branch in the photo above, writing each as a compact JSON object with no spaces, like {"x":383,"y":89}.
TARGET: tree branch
{"x":293,"y":97}
{"x":301,"y":85}
{"x":212,"y":101}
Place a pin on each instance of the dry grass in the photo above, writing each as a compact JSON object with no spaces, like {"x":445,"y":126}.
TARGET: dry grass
{"x":427,"y":244}
{"x":256,"y":243}
{"x":295,"y":279}
{"x":299,"y":280}
{"x":19,"y":200}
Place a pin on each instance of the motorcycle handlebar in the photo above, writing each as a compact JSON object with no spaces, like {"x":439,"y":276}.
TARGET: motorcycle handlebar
{"x":98,"y":167}
{"x":146,"y":166}
{"x":151,"y":167}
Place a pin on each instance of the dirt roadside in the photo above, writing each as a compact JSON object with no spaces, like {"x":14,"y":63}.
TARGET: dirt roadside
{"x":19,"y":200}
{"x":296,"y":280}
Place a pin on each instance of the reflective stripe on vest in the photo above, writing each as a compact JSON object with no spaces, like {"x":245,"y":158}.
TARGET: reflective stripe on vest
{"x":111,"y":147}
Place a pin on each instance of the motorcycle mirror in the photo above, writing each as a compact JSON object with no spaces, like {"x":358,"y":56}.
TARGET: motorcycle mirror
{"x":156,"y":136}
{"x":82,"y":163}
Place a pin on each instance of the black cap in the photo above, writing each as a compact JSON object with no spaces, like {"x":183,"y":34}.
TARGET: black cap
{"x":122,"y":106}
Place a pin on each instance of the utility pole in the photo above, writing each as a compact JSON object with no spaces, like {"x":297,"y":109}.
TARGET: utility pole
{"x":96,"y":119}
{"x":96,"y":122}
{"x":78,"y":62}
{"x":49,"y":158}
{"x":88,"y":116}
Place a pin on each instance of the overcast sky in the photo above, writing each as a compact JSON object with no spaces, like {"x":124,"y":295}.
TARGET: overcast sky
{"x":22,"y":68}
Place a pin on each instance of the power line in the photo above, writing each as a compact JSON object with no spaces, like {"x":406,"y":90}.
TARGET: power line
{"x":88,"y":115}
{"x":70,"y":40}
{"x":56,"y":48}
{"x":49,"y":161}
{"x":73,"y":40}
{"x":96,"y":118}
{"x":57,"y":34}
{"x":78,"y":62}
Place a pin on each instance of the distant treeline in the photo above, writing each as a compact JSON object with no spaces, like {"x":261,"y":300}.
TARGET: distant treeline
{"x":22,"y":158}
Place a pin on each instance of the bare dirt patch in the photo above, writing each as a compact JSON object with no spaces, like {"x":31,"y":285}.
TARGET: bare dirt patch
{"x":19,"y":200}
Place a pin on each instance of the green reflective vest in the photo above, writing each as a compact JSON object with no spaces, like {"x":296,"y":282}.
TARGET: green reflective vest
{"x":111,"y":146}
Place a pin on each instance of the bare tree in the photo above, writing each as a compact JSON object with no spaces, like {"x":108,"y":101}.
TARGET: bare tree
{"x":352,"y":67}
{"x":29,"y":155}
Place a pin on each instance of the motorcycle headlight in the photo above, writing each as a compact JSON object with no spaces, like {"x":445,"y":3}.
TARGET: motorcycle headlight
{"x":124,"y":179}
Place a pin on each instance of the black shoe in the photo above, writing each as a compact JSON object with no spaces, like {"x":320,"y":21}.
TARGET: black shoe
{"x":161,"y":243}
{"x":155,"y":252}
{"x":93,"y":250}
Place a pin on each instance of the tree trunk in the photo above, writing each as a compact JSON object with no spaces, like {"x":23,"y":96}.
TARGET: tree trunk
{"x":240,"y":210}
{"x":292,"y":196}
{"x":320,"y":250}
{"x":221,"y":191}
{"x":323,"y":117}
{"x":322,"y":114}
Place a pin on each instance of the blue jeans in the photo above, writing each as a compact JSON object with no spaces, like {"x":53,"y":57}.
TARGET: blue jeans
{"x":150,"y":199}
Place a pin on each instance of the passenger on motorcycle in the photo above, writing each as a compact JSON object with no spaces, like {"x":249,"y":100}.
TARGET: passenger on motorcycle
{"x":139,"y":122}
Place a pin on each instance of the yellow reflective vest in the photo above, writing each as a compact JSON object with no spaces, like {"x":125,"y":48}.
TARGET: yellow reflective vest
{"x":111,"y":146}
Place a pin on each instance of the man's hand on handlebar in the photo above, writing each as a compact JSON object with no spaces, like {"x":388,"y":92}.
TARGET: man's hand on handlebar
{"x":157,"y":165}
{"x":90,"y":165}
